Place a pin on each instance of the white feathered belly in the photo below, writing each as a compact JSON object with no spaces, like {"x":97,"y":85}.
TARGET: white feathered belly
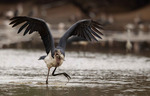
{"x":51,"y":62}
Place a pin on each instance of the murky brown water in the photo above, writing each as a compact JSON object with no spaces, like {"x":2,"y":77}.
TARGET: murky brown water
{"x":21,"y":74}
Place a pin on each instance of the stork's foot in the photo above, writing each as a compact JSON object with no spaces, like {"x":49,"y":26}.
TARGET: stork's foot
{"x":46,"y":81}
{"x":67,"y":76}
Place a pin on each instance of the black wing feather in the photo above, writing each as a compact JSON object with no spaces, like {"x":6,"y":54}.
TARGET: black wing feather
{"x":22,"y":27}
{"x":17,"y":22}
{"x":91,"y":35}
{"x":32,"y":29}
{"x":87,"y":37}
{"x":94,"y":33}
{"x":87,"y":29}
{"x":27,"y":29}
{"x":96,"y":30}
{"x":34,"y":24}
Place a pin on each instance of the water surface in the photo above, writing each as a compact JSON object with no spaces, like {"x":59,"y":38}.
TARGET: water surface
{"x":96,"y":74}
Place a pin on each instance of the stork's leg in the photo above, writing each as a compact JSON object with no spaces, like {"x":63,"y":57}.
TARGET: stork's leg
{"x":47,"y":76}
{"x":65,"y":74}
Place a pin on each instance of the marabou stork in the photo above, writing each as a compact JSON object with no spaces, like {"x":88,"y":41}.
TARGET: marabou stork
{"x":87,"y":29}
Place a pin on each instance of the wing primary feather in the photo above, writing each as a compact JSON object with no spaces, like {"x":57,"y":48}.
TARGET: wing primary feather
{"x":27,"y":29}
{"x":94,"y":33}
{"x":35,"y":24}
{"x":14,"y":18}
{"x":97,"y":23}
{"x":97,"y":26}
{"x":18,"y":22}
{"x":91,"y":36}
{"x":22,"y":27}
{"x":14,"y":21}
{"x":94,"y":29}
{"x":32,"y":29}
{"x":86,"y":29}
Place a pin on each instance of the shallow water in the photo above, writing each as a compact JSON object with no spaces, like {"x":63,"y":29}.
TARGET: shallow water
{"x":95,"y":74}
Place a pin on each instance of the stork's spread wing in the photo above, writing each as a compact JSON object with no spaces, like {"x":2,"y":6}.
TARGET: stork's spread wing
{"x":87,"y":29}
{"x":34,"y":24}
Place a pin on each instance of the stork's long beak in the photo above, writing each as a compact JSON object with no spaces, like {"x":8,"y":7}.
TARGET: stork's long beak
{"x":62,"y":57}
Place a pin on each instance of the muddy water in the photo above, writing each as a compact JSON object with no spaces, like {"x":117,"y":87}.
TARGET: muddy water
{"x":95,"y":74}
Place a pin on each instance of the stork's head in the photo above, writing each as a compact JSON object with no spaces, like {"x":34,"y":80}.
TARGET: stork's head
{"x":58,"y":55}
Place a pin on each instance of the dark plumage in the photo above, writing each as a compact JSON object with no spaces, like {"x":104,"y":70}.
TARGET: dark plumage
{"x":86,"y":29}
